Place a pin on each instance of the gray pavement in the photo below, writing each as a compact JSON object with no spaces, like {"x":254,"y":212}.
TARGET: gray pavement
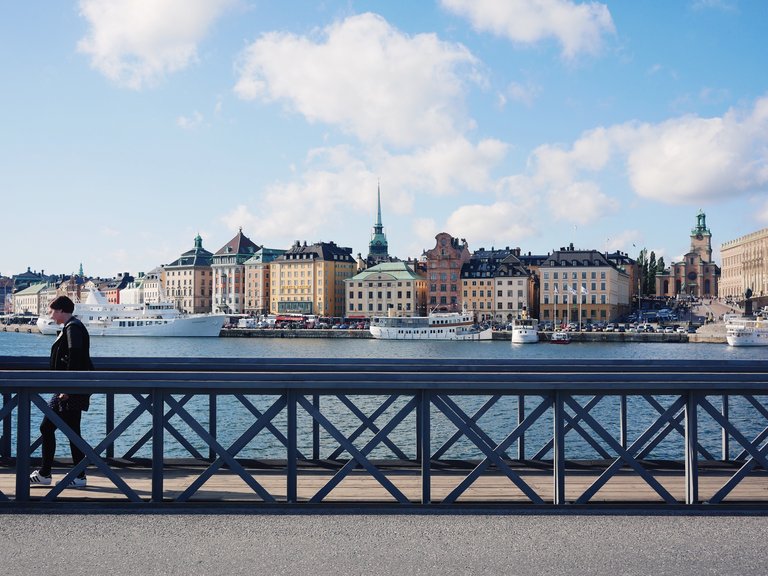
{"x":372,"y":543}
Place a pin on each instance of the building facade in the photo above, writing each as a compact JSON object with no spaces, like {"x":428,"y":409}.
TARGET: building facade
{"x":582,"y":282}
{"x":309,"y":279}
{"x":189,"y":280}
{"x":696,"y":275}
{"x":495,"y":285}
{"x":745,"y":266}
{"x":444,"y":263}
{"x":228,"y":269}
{"x":257,"y":281}
{"x":387,"y":289}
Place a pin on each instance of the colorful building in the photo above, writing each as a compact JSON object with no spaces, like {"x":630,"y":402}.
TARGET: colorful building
{"x":309,"y":279}
{"x":443,"y":264}
{"x":387,"y":289}
{"x":257,"y":280}
{"x":228,"y":269}
{"x":188,"y":280}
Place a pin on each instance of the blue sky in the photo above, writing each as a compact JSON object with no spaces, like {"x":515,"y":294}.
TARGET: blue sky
{"x":130,"y":126}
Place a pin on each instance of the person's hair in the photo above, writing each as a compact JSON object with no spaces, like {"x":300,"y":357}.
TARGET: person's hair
{"x":62,"y":303}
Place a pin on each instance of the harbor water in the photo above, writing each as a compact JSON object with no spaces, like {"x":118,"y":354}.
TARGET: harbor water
{"x":497,"y":422}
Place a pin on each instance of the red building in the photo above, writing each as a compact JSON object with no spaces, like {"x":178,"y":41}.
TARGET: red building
{"x":444,"y":263}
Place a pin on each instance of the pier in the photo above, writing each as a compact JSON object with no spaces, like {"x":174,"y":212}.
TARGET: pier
{"x":383,"y":432}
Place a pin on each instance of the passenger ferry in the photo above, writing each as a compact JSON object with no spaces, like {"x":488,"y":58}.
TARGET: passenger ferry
{"x":746,"y":330}
{"x":525,"y":331}
{"x":436,"y":326}
{"x":150,"y":319}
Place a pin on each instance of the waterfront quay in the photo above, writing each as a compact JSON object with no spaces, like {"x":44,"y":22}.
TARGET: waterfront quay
{"x":288,"y":432}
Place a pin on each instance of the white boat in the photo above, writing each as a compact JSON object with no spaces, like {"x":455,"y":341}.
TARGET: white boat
{"x":436,"y":326}
{"x":525,"y":331}
{"x":746,"y":330}
{"x":560,"y":337}
{"x":155,"y":319}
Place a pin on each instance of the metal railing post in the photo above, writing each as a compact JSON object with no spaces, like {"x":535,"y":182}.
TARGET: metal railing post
{"x":23,"y":426}
{"x":520,"y":419}
{"x":423,"y":432}
{"x":158,"y":438}
{"x":691,"y":453}
{"x":623,"y":420}
{"x":109,"y":421}
{"x":212,"y":423}
{"x":316,"y":429}
{"x":726,"y":438}
{"x":292,"y":465}
{"x":5,"y":441}
{"x":558,"y":460}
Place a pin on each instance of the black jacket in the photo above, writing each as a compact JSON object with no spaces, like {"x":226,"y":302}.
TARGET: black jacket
{"x":71,"y":351}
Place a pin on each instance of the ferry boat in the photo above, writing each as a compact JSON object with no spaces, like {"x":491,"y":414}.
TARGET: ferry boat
{"x":152,"y":319}
{"x":525,"y":331}
{"x":560,"y":337}
{"x":436,"y":326}
{"x":746,"y":330}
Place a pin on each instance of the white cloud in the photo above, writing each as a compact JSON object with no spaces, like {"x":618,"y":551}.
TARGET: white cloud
{"x":135,"y":43}
{"x":524,"y":93}
{"x":692,"y":159}
{"x":579,"y":28}
{"x":195,"y":120}
{"x":364,"y":76}
{"x":581,"y":203}
{"x":491,"y":225}
{"x":684,"y":160}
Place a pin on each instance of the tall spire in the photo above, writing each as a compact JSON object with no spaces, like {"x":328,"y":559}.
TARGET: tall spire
{"x":378,"y":250}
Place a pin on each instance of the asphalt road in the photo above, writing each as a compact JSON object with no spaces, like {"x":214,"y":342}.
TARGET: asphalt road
{"x":371,"y":543}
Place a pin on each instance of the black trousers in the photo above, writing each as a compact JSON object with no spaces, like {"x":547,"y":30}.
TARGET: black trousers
{"x":48,"y":432}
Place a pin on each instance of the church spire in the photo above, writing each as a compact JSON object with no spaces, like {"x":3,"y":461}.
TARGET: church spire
{"x":378,"y":250}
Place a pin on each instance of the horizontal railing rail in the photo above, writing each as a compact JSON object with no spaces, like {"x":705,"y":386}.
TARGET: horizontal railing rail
{"x":427,"y":432}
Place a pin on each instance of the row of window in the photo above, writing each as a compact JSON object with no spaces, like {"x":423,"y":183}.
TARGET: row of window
{"x":574,"y":275}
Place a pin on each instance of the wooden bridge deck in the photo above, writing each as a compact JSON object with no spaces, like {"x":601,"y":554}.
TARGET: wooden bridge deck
{"x":360,"y":487}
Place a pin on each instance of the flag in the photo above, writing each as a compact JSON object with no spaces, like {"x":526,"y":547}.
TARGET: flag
{"x":556,"y":292}
{"x":573,"y":291}
{"x":584,"y":290}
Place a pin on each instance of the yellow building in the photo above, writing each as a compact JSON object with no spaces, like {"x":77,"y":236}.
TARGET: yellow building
{"x":389,"y":288}
{"x":310,"y":279}
{"x":745,"y":265}
{"x":585,"y":281}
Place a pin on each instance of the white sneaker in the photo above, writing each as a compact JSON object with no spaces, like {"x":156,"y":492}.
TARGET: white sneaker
{"x":37,"y":479}
{"x":78,"y":482}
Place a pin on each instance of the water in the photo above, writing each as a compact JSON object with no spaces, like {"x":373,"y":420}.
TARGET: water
{"x":23,"y":344}
{"x":235,"y":418}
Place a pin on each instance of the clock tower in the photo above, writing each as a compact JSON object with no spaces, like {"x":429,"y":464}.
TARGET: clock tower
{"x":701,"y":238}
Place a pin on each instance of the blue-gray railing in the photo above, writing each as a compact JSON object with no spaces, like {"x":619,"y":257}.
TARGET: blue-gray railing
{"x":296,"y":402}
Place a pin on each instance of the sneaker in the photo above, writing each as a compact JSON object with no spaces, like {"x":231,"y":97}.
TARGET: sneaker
{"x":37,"y":479}
{"x":78,"y":482}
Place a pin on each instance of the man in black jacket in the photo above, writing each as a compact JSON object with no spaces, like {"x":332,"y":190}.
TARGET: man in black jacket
{"x":70,"y":351}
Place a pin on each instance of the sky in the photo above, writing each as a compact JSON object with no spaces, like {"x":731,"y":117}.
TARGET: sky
{"x":127,"y":127}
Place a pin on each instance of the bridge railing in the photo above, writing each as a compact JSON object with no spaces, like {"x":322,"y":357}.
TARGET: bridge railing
{"x":418,"y":431}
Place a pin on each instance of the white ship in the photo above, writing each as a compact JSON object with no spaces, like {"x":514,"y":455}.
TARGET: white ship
{"x":525,"y":331}
{"x":745,"y":330}
{"x":156,"y":319}
{"x":436,"y":326}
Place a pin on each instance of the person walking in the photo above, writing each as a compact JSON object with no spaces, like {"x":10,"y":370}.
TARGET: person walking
{"x":70,"y":351}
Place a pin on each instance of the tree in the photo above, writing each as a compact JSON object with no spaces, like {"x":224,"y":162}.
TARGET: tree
{"x":651,"y":278}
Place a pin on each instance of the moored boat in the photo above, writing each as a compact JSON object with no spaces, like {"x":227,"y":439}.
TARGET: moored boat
{"x":525,"y":331}
{"x":560,"y":337}
{"x":152,"y":319}
{"x":436,"y":326}
{"x":746,"y":330}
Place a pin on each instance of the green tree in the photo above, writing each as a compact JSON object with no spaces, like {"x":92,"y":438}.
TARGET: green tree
{"x":651,"y":278}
